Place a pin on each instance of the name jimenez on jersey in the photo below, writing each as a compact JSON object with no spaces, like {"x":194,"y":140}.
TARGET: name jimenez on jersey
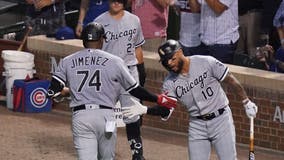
{"x":89,"y":60}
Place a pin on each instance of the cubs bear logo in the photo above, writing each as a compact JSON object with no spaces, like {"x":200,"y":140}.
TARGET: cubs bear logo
{"x":38,"y":98}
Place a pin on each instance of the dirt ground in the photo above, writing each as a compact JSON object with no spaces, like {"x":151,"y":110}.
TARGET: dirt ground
{"x":47,"y":136}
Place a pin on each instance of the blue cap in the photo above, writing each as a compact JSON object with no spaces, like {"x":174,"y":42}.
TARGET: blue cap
{"x":65,"y":33}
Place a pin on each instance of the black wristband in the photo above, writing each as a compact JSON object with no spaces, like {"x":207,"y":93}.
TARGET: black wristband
{"x":142,"y":73}
{"x":158,"y":111}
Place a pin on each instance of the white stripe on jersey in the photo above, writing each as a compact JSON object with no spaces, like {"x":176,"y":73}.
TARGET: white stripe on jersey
{"x":224,"y":75}
{"x":132,"y":87}
{"x":59,"y":80}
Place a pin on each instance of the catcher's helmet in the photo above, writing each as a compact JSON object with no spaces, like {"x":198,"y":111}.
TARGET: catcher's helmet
{"x":167,"y":50}
{"x":93,"y":32}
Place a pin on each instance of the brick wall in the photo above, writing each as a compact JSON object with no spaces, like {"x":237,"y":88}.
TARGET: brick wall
{"x":266,"y":89}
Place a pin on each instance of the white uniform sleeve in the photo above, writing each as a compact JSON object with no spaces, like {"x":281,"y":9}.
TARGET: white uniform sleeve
{"x":218,"y":69}
{"x":60,"y":72}
{"x":168,"y":88}
{"x":140,"y":38}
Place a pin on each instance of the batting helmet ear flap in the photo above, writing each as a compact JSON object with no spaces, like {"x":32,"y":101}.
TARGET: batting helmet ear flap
{"x":165,"y":64}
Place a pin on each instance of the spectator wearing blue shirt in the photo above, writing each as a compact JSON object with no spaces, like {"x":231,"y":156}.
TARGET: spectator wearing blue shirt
{"x":278,"y":22}
{"x":272,"y":61}
{"x":277,"y":64}
{"x":89,"y":10}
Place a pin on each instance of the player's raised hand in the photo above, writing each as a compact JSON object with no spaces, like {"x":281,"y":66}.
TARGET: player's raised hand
{"x":165,"y":101}
{"x":134,"y":110}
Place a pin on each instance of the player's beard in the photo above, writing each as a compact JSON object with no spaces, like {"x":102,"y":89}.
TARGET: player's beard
{"x":179,"y":66}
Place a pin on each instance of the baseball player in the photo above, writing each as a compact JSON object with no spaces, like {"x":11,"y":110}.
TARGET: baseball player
{"x":124,"y":38}
{"x":196,"y":82}
{"x":95,"y":78}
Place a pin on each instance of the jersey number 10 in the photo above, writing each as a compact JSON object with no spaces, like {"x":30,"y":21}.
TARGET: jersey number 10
{"x":95,"y":80}
{"x":208,"y":92}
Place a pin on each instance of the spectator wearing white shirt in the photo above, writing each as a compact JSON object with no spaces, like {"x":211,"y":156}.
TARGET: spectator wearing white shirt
{"x":189,"y":33}
{"x":218,"y":27}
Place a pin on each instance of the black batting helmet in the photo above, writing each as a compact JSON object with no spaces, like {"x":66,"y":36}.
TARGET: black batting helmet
{"x":167,"y":50}
{"x":93,"y":32}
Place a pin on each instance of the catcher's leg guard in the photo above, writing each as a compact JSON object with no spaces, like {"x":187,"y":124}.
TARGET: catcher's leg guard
{"x":135,"y":140}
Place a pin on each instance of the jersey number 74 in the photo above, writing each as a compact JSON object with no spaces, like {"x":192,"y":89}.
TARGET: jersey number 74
{"x":90,"y":80}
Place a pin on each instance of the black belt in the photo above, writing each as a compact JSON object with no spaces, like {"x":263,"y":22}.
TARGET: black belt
{"x":82,"y":107}
{"x":210,"y":116}
{"x":131,"y":66}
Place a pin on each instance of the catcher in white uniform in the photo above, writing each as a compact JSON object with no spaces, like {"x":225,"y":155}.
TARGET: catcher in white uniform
{"x":196,"y":82}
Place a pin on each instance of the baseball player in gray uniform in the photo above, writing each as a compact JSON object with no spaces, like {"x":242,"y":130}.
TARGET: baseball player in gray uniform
{"x":196,"y":82}
{"x":95,"y":78}
{"x":124,"y":38}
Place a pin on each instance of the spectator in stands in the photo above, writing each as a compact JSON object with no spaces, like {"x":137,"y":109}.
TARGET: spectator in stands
{"x":250,"y":14}
{"x":269,"y":11}
{"x":219,"y":27}
{"x":153,"y":15}
{"x":89,"y":10}
{"x":189,"y":33}
{"x":277,"y":60}
{"x":278,"y":22}
{"x":271,"y":60}
{"x":45,"y":16}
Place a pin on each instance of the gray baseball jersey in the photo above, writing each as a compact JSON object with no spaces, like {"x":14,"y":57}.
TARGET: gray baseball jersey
{"x":122,"y":36}
{"x":200,"y":90}
{"x":94,"y":76}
